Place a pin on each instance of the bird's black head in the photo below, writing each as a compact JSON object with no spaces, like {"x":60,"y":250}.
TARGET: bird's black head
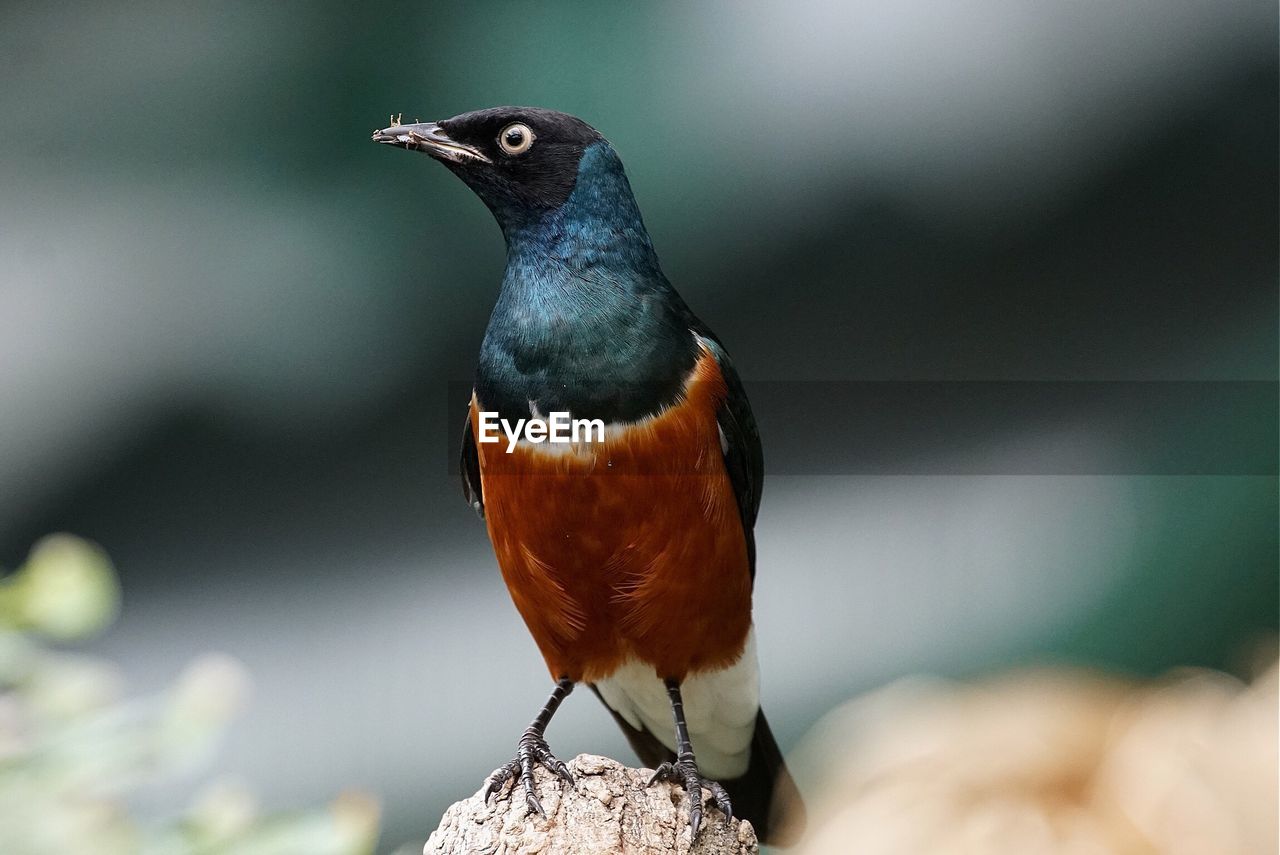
{"x":512,"y":157}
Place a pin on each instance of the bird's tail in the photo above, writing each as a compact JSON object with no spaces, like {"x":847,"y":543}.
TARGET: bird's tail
{"x":765,"y":794}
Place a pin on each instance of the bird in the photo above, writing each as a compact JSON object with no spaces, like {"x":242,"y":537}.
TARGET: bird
{"x":631,"y":557}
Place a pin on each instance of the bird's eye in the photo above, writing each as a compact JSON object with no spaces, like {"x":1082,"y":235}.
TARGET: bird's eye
{"x":515,"y":139}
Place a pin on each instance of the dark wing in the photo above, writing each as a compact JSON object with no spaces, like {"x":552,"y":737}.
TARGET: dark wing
{"x":469,"y":466}
{"x":743,"y":457}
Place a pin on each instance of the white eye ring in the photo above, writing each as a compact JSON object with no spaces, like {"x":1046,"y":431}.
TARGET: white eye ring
{"x":515,"y":138}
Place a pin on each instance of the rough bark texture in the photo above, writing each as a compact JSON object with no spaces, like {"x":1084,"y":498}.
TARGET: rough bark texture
{"x":608,"y":810}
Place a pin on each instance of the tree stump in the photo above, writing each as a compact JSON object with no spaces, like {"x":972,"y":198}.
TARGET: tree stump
{"x":607,"y":810}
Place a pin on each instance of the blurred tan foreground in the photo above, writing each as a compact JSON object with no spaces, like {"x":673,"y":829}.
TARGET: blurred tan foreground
{"x":1050,"y":762}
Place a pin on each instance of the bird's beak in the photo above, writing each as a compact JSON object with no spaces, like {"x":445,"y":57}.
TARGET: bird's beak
{"x":430,"y":138}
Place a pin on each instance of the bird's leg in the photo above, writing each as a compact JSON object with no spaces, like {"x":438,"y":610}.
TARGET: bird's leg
{"x":685,"y":769}
{"x":532,"y":750}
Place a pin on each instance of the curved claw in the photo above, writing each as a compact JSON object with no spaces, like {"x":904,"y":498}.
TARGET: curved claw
{"x":532,"y":750}
{"x":555,"y":764}
{"x":720,"y":796}
{"x":495,"y":782}
{"x":686,"y":772}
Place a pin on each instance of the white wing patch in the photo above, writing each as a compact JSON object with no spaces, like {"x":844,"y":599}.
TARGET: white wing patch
{"x":719,"y":706}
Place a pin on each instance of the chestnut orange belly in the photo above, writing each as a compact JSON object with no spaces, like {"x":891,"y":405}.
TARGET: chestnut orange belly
{"x":628,"y":547}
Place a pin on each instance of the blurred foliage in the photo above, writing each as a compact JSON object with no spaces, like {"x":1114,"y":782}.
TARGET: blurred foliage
{"x":76,"y":756}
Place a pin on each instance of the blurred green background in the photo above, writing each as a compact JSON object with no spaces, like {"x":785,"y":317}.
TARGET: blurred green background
{"x":229,"y":324}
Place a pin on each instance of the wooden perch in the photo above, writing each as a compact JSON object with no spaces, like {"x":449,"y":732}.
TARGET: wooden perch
{"x":608,"y":810}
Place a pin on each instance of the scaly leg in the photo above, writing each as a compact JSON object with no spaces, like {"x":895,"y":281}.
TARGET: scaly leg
{"x":685,"y":769}
{"x":531,"y":750}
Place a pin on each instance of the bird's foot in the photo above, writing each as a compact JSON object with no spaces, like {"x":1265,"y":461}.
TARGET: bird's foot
{"x":531,"y":751}
{"x":685,"y":770}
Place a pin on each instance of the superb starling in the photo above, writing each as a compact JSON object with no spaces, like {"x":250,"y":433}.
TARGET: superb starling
{"x":631,"y":558}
